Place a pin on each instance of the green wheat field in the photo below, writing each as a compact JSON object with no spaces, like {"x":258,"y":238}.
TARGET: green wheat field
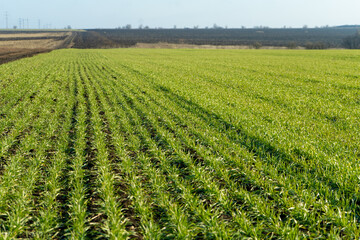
{"x":180,"y":144}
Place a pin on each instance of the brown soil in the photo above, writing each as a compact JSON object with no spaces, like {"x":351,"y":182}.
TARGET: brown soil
{"x":11,"y":54}
{"x":34,"y":35}
{"x":14,"y":46}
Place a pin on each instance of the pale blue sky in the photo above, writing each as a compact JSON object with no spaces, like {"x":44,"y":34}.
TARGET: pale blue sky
{"x":182,"y":13}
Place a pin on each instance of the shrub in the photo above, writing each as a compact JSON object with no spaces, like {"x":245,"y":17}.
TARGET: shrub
{"x":316,"y":45}
{"x":257,"y":45}
{"x":291,"y":45}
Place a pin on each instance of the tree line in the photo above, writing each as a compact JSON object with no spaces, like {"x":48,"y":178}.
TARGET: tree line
{"x":352,"y":42}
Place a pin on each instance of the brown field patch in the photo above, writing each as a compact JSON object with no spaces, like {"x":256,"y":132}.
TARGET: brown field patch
{"x":31,"y":44}
{"x":34,"y":35}
{"x":11,"y":54}
{"x":14,"y":45}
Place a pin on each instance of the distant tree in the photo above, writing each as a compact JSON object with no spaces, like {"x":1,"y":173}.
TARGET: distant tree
{"x":140,"y":26}
{"x":316,"y":45}
{"x":174,"y":27}
{"x":243,"y":27}
{"x":68,"y":27}
{"x":291,"y":45}
{"x":305,"y":26}
{"x":257,"y":45}
{"x":352,"y":42}
{"x":128,"y":26}
{"x":215,"y":26}
{"x":196,"y":27}
{"x":146,"y":27}
{"x":14,"y":27}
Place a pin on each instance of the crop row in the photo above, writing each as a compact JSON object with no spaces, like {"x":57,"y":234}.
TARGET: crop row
{"x":179,"y":144}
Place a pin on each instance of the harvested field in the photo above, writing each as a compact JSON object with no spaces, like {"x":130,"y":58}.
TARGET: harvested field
{"x":31,"y":44}
{"x":34,"y":35}
{"x":18,"y":45}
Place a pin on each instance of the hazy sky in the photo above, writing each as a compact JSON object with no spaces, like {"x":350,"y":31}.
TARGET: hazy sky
{"x":182,"y":13}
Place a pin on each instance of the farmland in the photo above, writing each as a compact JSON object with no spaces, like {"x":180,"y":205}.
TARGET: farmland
{"x":17,"y":44}
{"x":180,"y":144}
{"x":310,"y":38}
